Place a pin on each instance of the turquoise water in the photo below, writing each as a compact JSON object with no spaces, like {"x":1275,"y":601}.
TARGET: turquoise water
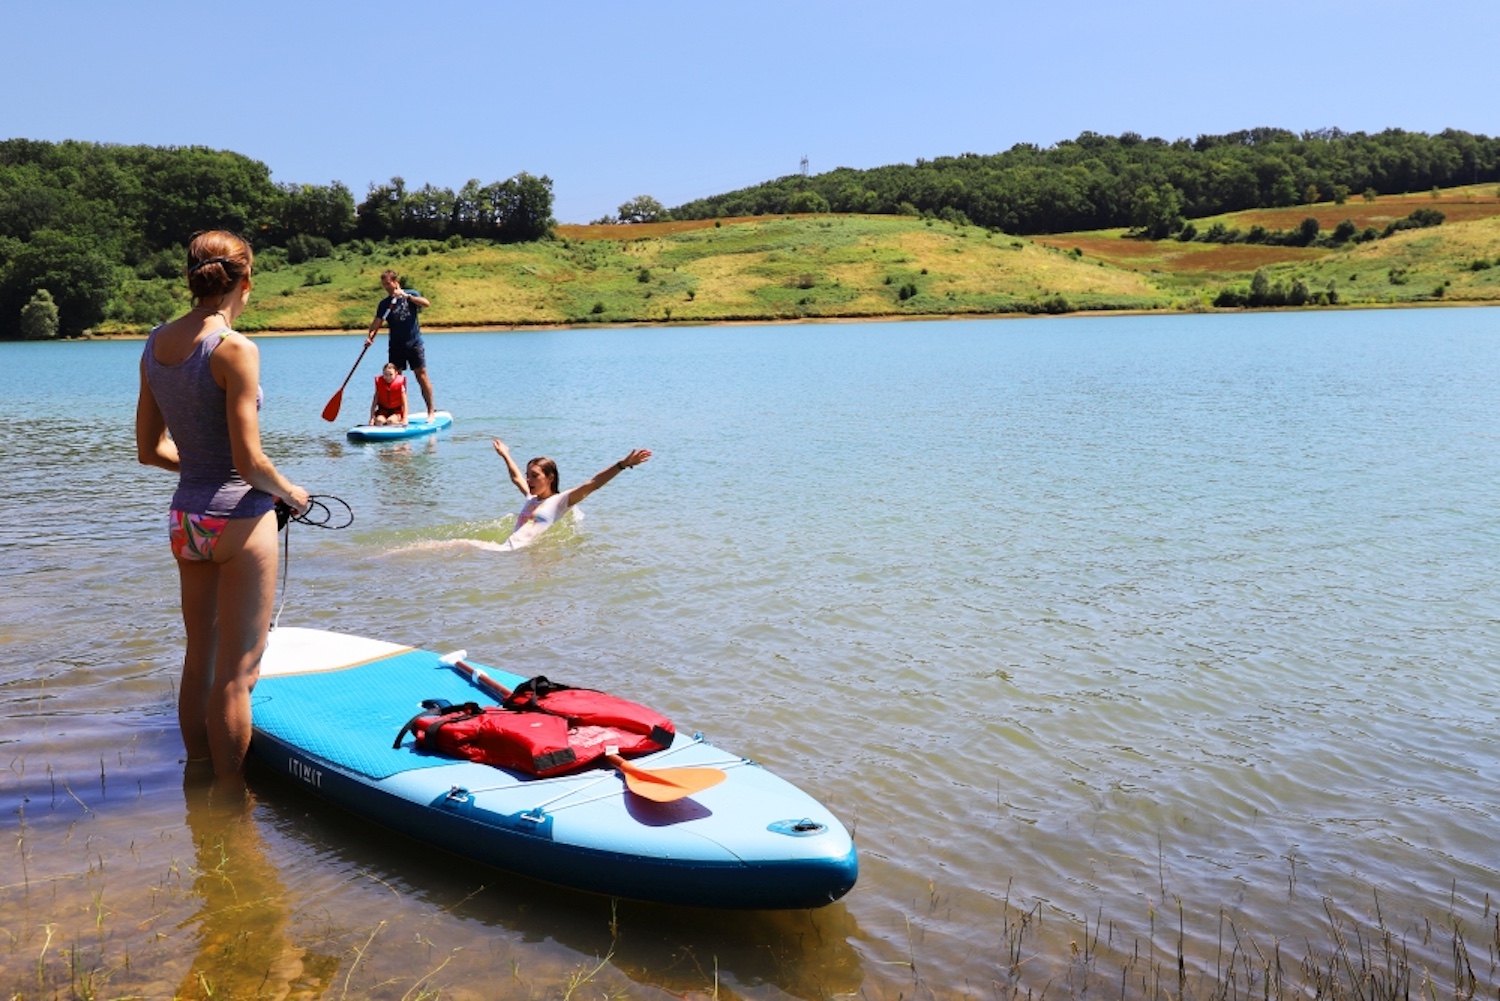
{"x":1087,"y":619}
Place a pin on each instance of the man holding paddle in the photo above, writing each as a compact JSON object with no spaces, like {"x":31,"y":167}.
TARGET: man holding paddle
{"x":399,"y":310}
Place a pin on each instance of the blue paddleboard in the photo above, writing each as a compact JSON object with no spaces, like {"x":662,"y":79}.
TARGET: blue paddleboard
{"x":417,"y":424}
{"x":328,"y":706}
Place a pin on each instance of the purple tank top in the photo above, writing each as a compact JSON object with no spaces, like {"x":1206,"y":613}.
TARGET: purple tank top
{"x":195,"y":410}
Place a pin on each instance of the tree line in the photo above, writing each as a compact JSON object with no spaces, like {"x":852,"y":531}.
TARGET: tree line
{"x":79,"y":220}
{"x":1147,"y":184}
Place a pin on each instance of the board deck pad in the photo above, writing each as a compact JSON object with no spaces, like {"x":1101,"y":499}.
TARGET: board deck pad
{"x":331,"y":714}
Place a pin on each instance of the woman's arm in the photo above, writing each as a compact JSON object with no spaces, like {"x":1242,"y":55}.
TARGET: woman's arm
{"x":511,"y":467}
{"x":237,"y":360}
{"x":635,"y":458}
{"x":152,"y":446}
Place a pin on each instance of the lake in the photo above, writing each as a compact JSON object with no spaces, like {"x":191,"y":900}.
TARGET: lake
{"x":1112,"y":639}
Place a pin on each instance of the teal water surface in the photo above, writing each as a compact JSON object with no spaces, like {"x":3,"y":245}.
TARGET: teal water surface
{"x":1155,"y":621}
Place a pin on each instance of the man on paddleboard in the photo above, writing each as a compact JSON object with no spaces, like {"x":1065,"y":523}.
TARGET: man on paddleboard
{"x":399,"y":310}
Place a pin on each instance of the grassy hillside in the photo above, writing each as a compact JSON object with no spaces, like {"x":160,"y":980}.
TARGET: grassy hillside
{"x":866,"y":266}
{"x":1461,"y":257}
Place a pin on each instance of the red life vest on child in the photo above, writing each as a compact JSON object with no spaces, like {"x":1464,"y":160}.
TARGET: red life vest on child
{"x":388,"y":396}
{"x":543,"y":729}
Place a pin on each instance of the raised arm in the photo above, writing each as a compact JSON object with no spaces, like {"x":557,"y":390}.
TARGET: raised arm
{"x":635,"y":458}
{"x":510,"y":465}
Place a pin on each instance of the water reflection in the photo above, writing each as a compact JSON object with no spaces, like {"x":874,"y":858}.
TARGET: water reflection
{"x":242,"y":943}
{"x":805,"y":954}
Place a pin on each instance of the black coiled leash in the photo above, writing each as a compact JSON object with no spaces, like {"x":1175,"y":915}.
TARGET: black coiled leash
{"x":319,"y":515}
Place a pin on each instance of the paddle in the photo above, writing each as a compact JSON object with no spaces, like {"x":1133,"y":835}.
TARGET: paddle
{"x":660,"y":785}
{"x":331,"y":411}
{"x":665,"y":785}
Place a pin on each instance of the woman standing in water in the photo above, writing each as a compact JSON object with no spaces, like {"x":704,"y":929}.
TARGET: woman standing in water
{"x":197,"y":416}
{"x":545,"y":503}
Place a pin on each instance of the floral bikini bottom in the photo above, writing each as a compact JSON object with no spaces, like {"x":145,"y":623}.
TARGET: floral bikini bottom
{"x":194,"y":535}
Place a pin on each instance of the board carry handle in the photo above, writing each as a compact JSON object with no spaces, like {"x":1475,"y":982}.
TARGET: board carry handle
{"x":659,"y":785}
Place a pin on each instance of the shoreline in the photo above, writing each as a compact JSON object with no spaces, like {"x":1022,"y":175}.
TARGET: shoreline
{"x":505,"y":328}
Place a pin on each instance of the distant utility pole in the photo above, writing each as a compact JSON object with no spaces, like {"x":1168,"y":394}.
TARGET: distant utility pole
{"x":804,"y":164}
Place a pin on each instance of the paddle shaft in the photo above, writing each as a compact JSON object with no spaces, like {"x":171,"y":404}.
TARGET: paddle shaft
{"x":331,"y":410}
{"x":483,"y":680}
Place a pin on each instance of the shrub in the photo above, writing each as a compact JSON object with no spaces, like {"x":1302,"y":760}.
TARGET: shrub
{"x":1479,"y":265}
{"x":1308,"y":231}
{"x":305,"y":248}
{"x":1186,"y":234}
{"x":598,"y":308}
{"x":1344,"y":231}
{"x":1370,"y":194}
{"x":807,"y":201}
{"x":39,"y":317}
{"x":162,"y":264}
{"x":644,"y":275}
{"x":906,"y":291}
{"x":1057,"y":304}
{"x":142,"y":302}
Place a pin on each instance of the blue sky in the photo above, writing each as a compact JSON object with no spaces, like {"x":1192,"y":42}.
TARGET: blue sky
{"x":680,"y":100}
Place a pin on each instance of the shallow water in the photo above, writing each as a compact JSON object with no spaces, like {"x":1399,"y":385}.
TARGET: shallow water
{"x":1159,"y":622}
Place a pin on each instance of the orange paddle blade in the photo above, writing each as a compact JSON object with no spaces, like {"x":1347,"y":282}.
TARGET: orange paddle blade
{"x":665,"y":785}
{"x":331,"y":411}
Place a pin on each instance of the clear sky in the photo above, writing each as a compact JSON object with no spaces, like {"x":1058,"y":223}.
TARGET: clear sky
{"x":680,"y":99}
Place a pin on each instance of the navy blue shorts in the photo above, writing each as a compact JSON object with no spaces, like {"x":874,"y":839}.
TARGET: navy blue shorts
{"x":409,"y":354}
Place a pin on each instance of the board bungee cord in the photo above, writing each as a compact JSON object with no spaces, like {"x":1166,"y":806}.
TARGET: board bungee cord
{"x":318,"y":515}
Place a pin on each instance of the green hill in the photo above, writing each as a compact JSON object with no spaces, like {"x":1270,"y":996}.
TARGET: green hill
{"x":826,"y":267}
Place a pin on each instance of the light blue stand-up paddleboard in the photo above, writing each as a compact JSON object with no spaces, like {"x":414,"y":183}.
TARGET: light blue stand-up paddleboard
{"x":328,"y":706}
{"x":417,"y":424}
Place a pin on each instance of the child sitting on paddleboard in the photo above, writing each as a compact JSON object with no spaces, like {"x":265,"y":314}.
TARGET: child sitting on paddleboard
{"x":545,"y":503}
{"x":389,"y":404}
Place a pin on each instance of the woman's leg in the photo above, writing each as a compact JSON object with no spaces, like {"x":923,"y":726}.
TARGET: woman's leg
{"x":200,"y":587}
{"x":246,"y":595}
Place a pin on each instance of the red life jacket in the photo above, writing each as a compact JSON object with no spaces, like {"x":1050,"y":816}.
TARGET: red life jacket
{"x":542,"y":729}
{"x":388,"y":396}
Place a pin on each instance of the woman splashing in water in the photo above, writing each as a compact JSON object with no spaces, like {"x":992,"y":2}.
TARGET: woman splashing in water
{"x":545,"y":503}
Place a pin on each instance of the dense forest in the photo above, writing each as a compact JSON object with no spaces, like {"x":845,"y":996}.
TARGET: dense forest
{"x":79,"y":221}
{"x":1150,"y":185}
